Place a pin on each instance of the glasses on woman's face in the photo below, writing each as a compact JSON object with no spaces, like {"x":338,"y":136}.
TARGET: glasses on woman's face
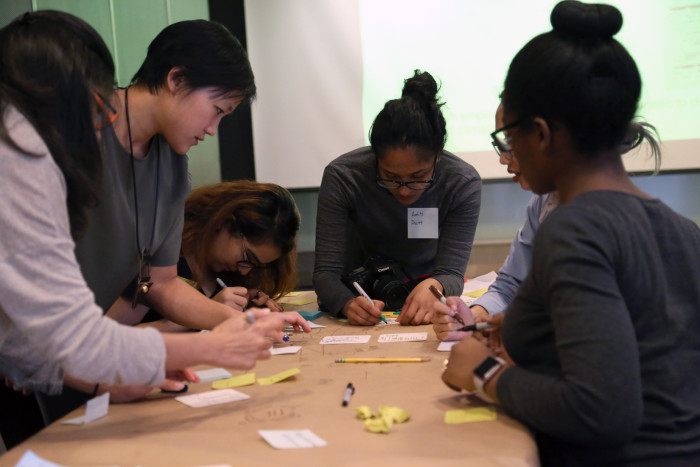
{"x":106,"y":114}
{"x":412,"y":184}
{"x":501,"y":142}
{"x":249,"y":260}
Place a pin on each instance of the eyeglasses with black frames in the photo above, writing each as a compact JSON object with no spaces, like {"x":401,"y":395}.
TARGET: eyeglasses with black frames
{"x":412,"y":184}
{"x":249,"y":260}
{"x":501,"y":143}
{"x":106,"y":114}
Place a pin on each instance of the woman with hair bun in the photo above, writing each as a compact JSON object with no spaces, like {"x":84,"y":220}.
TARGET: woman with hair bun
{"x":405,"y":202}
{"x":601,"y":350}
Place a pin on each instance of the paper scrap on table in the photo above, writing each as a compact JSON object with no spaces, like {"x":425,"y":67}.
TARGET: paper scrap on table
{"x":278,"y":377}
{"x":292,"y":439}
{"x":205,"y":399}
{"x":390,"y":319}
{"x":235,"y":382}
{"x":96,"y":407}
{"x":212,"y":375}
{"x":480,"y":282}
{"x":381,"y":423}
{"x":475,"y":293}
{"x":285,"y":350}
{"x":31,"y":459}
{"x":446,"y":346}
{"x":404,"y":337}
{"x":476,"y":414}
{"x":311,"y":324}
{"x":299,"y":301}
{"x":295,"y":293}
{"x":354,"y":339}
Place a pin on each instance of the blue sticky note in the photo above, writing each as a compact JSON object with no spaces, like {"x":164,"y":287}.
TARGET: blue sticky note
{"x":310,"y":315}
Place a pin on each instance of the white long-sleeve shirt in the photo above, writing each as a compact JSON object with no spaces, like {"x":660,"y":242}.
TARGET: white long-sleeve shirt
{"x":49,"y":322}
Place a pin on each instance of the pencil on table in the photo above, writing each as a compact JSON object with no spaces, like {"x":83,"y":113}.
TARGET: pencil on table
{"x":382,"y":360}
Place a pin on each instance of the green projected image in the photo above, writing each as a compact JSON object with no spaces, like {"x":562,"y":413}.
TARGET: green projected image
{"x":467,"y":45}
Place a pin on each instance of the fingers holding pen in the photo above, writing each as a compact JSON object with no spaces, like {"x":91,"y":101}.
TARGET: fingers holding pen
{"x":363,"y":313}
{"x":444,"y":323}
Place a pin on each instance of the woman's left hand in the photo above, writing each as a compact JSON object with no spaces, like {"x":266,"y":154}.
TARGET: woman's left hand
{"x":174,"y":382}
{"x":465,"y":356}
{"x":296,"y":320}
{"x":261,"y":299}
{"x":418,"y":308}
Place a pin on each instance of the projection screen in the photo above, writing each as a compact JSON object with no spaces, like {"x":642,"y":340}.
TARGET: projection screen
{"x":324,"y":69}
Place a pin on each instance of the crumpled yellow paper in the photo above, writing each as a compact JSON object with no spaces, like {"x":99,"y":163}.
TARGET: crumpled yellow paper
{"x":381,"y":423}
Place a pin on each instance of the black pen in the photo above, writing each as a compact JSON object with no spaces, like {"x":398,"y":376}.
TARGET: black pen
{"x":477,"y":327}
{"x":456,"y":316}
{"x":349,"y":391}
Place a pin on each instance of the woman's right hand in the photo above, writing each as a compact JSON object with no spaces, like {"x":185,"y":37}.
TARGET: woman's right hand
{"x":235,"y":297}
{"x":361,"y":313}
{"x":240,"y":344}
{"x":444,"y":324}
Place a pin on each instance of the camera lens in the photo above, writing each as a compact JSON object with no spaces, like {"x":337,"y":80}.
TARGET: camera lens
{"x":392,"y":292}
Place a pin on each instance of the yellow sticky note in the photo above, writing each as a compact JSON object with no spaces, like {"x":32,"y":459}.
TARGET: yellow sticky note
{"x":477,"y":414}
{"x":278,"y":377}
{"x":294,"y":294}
{"x":475,"y":293}
{"x":299,"y":301}
{"x":379,"y":425}
{"x":396,"y":414}
{"x":237,"y":381}
{"x":363,"y":412}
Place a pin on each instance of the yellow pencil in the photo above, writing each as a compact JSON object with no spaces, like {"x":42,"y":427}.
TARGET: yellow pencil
{"x":381,"y":360}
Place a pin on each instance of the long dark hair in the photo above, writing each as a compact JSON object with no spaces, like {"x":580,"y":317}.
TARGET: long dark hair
{"x":260,"y":212}
{"x":579,"y":76}
{"x":207,"y":55}
{"x":51,"y":64}
{"x":413,"y":120}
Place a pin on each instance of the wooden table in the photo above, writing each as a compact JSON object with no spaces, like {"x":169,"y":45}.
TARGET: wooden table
{"x":160,"y":431}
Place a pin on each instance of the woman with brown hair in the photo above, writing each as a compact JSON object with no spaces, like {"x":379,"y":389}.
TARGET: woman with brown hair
{"x":240,"y":234}
{"x":243,"y":233}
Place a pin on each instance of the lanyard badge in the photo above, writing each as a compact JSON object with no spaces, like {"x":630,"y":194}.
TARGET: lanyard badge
{"x":143,"y":284}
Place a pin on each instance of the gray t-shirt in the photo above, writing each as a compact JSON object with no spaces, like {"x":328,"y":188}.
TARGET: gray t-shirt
{"x":605,"y":332}
{"x":357,"y":219}
{"x":49,"y":322}
{"x":107,"y":252}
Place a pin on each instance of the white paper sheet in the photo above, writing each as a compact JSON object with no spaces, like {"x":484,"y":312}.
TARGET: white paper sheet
{"x":292,"y":439}
{"x":205,"y":399}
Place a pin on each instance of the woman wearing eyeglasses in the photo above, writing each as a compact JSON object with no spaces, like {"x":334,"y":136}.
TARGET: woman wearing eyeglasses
{"x":602,"y":336}
{"x":194,"y":74}
{"x":404,"y":199}
{"x":500,"y":294}
{"x":241,"y":234}
{"x":52,"y":330}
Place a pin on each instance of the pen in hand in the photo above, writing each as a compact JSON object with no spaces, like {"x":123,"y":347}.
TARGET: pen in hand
{"x":456,"y":316}
{"x":362,"y":292}
{"x":248,"y":315}
{"x":477,"y":327}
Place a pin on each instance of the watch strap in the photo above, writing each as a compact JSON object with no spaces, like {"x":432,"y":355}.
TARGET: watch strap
{"x":495,"y":364}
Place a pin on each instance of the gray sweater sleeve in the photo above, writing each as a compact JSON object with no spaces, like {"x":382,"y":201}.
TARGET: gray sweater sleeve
{"x":49,"y":322}
{"x":578,"y":376}
{"x":457,"y":235}
{"x":332,"y":227}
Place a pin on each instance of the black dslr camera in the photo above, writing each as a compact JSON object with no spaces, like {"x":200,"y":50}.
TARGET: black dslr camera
{"x":383,"y":279}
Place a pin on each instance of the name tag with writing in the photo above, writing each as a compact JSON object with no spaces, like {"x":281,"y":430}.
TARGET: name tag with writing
{"x":422,"y":222}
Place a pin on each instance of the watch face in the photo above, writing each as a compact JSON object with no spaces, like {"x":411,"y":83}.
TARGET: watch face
{"x":485,"y":366}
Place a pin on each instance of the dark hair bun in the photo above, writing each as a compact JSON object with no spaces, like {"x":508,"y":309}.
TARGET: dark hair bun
{"x":422,"y":87}
{"x":586,"y":20}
